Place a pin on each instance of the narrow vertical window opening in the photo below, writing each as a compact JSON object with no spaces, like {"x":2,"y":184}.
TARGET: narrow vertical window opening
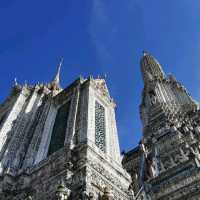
{"x":100,"y":127}
{"x":59,"y":129}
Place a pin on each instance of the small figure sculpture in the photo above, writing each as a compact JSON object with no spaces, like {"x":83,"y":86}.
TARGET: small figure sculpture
{"x":62,"y":193}
{"x":86,"y":196}
{"x":107,"y":194}
{"x":196,"y":129}
{"x":29,"y":197}
{"x":154,"y":167}
{"x":131,"y":193}
{"x":91,"y":196}
{"x":144,"y":149}
{"x":173,"y":128}
{"x":153,"y":98}
{"x":194,"y":154}
{"x":150,"y":163}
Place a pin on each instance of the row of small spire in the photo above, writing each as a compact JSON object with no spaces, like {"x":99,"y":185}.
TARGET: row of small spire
{"x":55,"y":83}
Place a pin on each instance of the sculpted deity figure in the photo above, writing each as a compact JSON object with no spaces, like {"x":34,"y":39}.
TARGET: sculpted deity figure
{"x":131,"y":193}
{"x":144,"y":149}
{"x":107,"y":194}
{"x":86,"y":196}
{"x":29,"y":197}
{"x":196,"y":129}
{"x":62,"y":193}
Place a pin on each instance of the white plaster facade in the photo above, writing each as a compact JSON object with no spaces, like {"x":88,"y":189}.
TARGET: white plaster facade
{"x":80,"y":164}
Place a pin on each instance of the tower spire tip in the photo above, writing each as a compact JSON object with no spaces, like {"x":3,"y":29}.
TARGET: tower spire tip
{"x":57,"y":77}
{"x":55,"y":84}
{"x":144,"y":53}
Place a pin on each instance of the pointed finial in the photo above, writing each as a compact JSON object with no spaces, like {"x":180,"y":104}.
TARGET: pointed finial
{"x":57,"y":77}
{"x":144,"y":53}
{"x":15,"y":80}
{"x":55,"y":84}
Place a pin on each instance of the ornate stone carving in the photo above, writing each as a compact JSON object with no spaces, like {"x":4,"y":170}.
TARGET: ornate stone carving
{"x":107,"y":194}
{"x":100,"y":133}
{"x":62,"y":193}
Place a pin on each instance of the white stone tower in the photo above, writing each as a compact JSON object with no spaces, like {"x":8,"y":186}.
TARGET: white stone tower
{"x":166,"y":165}
{"x":50,"y":135}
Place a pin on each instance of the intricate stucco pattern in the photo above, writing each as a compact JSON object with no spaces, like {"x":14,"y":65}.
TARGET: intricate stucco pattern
{"x":166,"y":164}
{"x":83,"y":161}
{"x":100,"y":126}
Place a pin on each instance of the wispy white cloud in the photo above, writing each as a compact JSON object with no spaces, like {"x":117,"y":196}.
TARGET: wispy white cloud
{"x":100,"y":29}
{"x":107,"y":21}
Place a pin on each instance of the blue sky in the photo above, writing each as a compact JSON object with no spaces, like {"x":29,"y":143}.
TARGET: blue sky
{"x":98,"y":37}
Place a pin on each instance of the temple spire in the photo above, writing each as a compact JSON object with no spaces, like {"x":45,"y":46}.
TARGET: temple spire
{"x":55,"y":84}
{"x":151,"y":69}
{"x":57,"y":76}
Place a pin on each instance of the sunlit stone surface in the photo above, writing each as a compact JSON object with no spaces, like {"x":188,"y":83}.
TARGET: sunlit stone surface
{"x":62,"y":144}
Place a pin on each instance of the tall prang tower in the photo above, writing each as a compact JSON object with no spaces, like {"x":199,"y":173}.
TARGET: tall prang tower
{"x":61,"y":143}
{"x":166,"y":164}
